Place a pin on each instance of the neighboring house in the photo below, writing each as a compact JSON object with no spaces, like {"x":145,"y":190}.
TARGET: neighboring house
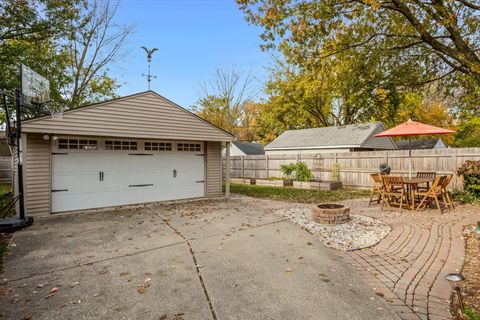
{"x":239,"y":148}
{"x":355,"y":137}
{"x":135,"y":149}
{"x":433,"y":143}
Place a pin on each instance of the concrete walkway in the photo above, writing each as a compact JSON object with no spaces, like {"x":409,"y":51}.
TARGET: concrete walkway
{"x":408,"y":267}
{"x":199,"y":260}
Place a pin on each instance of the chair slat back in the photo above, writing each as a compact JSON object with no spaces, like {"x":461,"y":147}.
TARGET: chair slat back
{"x":446,"y":181}
{"x":376,"y":179}
{"x":436,"y":183}
{"x":392,"y":181}
{"x":426,"y":174}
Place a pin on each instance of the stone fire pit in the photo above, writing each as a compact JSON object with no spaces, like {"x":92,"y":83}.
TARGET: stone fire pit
{"x":330,"y":213}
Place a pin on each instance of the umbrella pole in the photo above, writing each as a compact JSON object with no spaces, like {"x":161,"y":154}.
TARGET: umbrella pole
{"x":409,"y":157}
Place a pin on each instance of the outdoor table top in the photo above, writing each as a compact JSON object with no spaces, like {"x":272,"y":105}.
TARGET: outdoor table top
{"x":416,"y":180}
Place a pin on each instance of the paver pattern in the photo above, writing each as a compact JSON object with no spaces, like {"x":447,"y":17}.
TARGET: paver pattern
{"x":407,"y":268}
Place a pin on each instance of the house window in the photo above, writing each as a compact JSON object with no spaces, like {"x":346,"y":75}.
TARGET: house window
{"x":120,"y":145}
{"x":158,"y":146}
{"x":188,"y":147}
{"x":77,"y":144}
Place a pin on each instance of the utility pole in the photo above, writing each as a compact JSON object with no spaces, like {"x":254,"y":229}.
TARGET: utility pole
{"x":149,"y":76}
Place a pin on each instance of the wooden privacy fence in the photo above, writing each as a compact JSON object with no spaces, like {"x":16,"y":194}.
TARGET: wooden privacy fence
{"x":355,"y":167}
{"x":5,"y":169}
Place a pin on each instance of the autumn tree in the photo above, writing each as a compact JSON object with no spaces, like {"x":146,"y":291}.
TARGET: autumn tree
{"x":70,"y":42}
{"x":95,"y":41}
{"x":446,"y":30}
{"x":226,"y":100}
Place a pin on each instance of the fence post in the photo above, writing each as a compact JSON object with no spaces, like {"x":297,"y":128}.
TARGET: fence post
{"x":243,"y":167}
{"x":454,"y":169}
{"x":266,"y":165}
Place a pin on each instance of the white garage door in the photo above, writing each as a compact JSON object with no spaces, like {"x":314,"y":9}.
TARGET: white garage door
{"x":100,"y":174}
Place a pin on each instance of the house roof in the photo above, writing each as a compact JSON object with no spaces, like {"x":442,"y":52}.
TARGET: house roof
{"x":250,"y":148}
{"x":143,"y":115}
{"x":347,"y":136}
{"x":419,"y":143}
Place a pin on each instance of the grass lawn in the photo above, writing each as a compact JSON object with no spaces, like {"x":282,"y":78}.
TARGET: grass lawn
{"x":4,"y":189}
{"x":298,"y":195}
{"x":5,"y":199}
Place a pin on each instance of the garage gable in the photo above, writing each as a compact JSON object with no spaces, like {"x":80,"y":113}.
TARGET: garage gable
{"x":142,"y":115}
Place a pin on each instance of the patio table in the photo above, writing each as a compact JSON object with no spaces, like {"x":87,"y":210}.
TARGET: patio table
{"x":410,"y":183}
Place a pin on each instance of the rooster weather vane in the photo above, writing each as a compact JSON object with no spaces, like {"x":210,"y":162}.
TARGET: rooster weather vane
{"x":149,"y":76}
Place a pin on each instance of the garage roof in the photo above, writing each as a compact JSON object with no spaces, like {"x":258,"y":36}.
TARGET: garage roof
{"x":346,"y":136}
{"x":143,"y":115}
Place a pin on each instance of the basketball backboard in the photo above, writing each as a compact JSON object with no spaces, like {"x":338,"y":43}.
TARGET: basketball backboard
{"x":35,"y":88}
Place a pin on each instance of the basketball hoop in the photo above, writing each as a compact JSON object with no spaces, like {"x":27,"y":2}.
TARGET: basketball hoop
{"x":55,"y":110}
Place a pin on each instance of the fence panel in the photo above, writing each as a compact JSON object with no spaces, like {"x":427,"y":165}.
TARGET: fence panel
{"x":5,"y":169}
{"x":355,"y":167}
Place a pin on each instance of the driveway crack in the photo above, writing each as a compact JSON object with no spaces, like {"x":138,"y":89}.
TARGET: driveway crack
{"x":194,"y":258}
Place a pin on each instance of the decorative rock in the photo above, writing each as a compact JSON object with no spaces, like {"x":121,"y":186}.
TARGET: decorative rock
{"x":359,"y":232}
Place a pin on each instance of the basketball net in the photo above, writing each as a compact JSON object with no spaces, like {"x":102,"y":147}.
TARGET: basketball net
{"x":56,"y":111}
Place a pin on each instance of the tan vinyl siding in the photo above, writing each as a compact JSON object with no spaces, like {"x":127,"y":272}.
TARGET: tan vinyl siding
{"x":37,"y":175}
{"x":214,"y":178}
{"x":145,"y":115}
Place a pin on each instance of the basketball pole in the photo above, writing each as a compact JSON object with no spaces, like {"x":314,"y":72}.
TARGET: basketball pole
{"x":18,"y":133}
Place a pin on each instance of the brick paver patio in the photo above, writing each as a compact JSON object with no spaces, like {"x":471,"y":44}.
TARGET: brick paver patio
{"x":407,"y":268}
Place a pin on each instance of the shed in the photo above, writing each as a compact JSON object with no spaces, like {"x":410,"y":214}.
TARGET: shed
{"x":135,"y":149}
{"x":354,"y":137}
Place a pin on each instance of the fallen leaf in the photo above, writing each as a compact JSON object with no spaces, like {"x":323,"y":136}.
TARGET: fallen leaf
{"x":6,"y":292}
{"x":142,"y":288}
{"x":53,"y":290}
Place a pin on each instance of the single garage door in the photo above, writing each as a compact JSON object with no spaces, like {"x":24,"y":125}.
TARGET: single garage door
{"x":93,"y":173}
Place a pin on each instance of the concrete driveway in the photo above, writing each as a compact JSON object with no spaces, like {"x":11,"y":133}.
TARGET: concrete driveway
{"x":214,"y":259}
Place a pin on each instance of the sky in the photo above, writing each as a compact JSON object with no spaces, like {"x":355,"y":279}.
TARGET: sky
{"x":194,"y":38}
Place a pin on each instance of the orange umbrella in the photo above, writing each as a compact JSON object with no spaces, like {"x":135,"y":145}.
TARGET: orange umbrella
{"x":409,"y":129}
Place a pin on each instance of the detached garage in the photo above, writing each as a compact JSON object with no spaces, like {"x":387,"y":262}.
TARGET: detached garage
{"x":136,"y":149}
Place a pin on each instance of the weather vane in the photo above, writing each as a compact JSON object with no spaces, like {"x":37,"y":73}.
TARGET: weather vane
{"x":149,"y":76}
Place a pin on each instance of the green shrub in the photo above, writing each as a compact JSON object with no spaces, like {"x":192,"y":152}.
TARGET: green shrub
{"x":288,"y":170}
{"x":335,"y":173}
{"x":470,"y":171}
{"x":302,"y":172}
{"x":298,"y":171}
{"x":471,"y":313}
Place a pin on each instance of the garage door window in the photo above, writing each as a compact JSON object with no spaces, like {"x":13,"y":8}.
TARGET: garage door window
{"x":77,"y":144}
{"x":120,"y":145}
{"x":188,"y":147}
{"x":158,"y":146}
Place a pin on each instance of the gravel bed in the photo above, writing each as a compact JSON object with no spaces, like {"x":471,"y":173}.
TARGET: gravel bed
{"x":360,"y":232}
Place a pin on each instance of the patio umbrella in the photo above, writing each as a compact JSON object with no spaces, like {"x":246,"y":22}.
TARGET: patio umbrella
{"x":409,"y":129}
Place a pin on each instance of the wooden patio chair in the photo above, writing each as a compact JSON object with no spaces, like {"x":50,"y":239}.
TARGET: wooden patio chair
{"x":394,"y":191}
{"x":432,"y":194}
{"x":377,"y":188}
{"x":425,"y":174}
{"x":445,"y":194}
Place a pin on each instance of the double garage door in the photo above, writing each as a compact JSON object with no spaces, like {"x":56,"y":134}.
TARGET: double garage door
{"x":96,"y":175}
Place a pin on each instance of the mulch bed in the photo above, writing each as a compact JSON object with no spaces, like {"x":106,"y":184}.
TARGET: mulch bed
{"x":470,"y":288}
